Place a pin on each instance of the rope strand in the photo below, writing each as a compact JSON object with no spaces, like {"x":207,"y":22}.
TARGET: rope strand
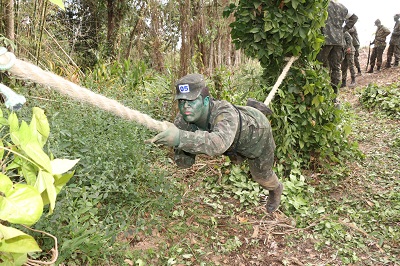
{"x":280,"y":79}
{"x":25,"y":70}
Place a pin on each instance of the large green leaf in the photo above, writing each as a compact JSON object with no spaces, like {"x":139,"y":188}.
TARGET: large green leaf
{"x":29,"y":171}
{"x":22,"y":204}
{"x":13,"y":259}
{"x":5,"y":184}
{"x":16,"y":241}
{"x":40,"y":124}
{"x":61,"y":166}
{"x":45,"y":185}
{"x":29,"y":143}
{"x":14,"y":124}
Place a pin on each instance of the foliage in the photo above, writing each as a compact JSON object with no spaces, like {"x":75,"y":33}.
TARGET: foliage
{"x":270,"y":30}
{"x":383,"y":98}
{"x":30,"y":181}
{"x":308,"y":128}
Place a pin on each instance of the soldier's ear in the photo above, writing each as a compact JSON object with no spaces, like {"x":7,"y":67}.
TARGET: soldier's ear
{"x":206,"y":100}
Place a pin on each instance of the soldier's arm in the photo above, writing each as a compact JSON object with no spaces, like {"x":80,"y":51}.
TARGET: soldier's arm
{"x":396,"y":30}
{"x":183,"y":159}
{"x":386,"y":31}
{"x":350,"y":22}
{"x":212,"y":143}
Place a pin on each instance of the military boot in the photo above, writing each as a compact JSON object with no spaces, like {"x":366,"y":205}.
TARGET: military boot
{"x":371,"y":69}
{"x":274,"y":198}
{"x":378,"y":68}
{"x":353,"y":82}
{"x":359,"y":71}
{"x":343,"y":83}
{"x":396,"y":64}
{"x":387,"y":65}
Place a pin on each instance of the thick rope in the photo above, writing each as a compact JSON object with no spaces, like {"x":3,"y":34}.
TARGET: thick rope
{"x":25,"y":70}
{"x":280,"y":79}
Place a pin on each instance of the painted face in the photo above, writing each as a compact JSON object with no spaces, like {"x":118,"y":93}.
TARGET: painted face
{"x":193,"y":110}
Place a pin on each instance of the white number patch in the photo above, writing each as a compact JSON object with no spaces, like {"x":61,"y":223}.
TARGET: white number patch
{"x":184,"y":88}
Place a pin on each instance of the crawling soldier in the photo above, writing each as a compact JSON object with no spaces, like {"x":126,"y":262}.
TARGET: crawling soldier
{"x":212,"y":127}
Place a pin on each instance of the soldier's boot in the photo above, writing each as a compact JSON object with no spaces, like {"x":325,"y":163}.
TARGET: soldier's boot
{"x":371,"y":69}
{"x":343,"y":83}
{"x":359,"y":71}
{"x":396,"y":64}
{"x":387,"y":65}
{"x":274,"y":198}
{"x":353,"y":82}
{"x":378,"y":68}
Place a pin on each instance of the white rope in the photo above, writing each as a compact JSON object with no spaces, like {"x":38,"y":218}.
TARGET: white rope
{"x":280,"y":79}
{"x":25,"y":70}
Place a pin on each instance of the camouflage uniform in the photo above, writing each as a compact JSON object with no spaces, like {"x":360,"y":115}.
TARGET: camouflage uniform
{"x":394,"y":44}
{"x":348,"y":61}
{"x":379,"y":46}
{"x":237,"y":131}
{"x":331,"y":53}
{"x":356,"y":44}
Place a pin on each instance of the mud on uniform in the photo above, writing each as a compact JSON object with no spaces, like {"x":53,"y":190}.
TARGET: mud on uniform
{"x":234,"y":131}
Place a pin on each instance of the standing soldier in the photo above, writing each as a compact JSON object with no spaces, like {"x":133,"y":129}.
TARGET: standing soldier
{"x":379,"y":46}
{"x":394,"y":44}
{"x":331,"y":54}
{"x":356,"y":44}
{"x":348,"y":61}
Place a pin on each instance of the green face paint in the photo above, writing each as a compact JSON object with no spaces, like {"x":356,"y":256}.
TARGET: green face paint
{"x":193,"y":110}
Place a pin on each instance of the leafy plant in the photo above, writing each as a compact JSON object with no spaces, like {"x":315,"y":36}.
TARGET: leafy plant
{"x":384,"y":98}
{"x":30,"y":180}
{"x":307,"y":127}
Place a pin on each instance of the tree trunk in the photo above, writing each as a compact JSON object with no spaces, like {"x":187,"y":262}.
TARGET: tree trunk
{"x":116,"y":11}
{"x":9,"y":21}
{"x":184,"y":9}
{"x":134,"y":32}
{"x":157,"y":57}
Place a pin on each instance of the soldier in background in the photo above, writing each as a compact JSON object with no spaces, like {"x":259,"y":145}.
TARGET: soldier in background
{"x":348,"y":61}
{"x":356,"y":44}
{"x":207,"y":126}
{"x":379,"y":46}
{"x":331,"y":54}
{"x":394,"y":44}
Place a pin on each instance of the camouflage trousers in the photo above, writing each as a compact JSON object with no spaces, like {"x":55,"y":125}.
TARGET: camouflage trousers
{"x":376,"y":55}
{"x":356,"y":60}
{"x":393,"y":50}
{"x":332,"y":56}
{"x":348,"y":63}
{"x":261,"y":167}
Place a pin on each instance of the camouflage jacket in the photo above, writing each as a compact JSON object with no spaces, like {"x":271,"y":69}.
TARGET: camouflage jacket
{"x":349,"y":42}
{"x":380,"y":36}
{"x":354,"y":35}
{"x":333,"y":29}
{"x":395,"y":39}
{"x":247,"y":133}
